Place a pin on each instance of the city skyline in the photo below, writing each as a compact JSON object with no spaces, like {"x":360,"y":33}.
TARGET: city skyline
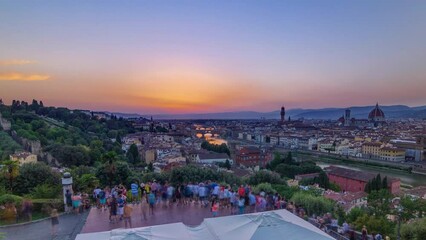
{"x":203,"y":57}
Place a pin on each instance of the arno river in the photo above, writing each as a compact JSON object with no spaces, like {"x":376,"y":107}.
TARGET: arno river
{"x":406,"y":178}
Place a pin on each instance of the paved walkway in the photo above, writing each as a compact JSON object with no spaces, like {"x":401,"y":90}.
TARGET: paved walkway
{"x":69,"y":226}
{"x":98,"y":220}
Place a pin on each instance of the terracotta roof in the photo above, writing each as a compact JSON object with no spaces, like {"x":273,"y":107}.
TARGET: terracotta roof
{"x":355,"y":175}
{"x":376,"y":112}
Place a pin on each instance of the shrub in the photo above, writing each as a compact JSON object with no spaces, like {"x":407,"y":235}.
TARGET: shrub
{"x":286,"y":191}
{"x":265,"y":187}
{"x":10,"y":198}
{"x":265,"y":176}
{"x":46,"y":191}
{"x":313,"y":204}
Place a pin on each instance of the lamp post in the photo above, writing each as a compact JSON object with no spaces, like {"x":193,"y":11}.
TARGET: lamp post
{"x":66,"y":185}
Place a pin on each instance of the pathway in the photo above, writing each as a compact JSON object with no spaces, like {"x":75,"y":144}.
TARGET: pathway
{"x":69,"y":226}
{"x":98,"y":220}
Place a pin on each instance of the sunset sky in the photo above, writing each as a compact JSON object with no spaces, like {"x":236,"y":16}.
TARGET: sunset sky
{"x":212,"y":56}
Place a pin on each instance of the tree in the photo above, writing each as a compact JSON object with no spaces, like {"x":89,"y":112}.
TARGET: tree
{"x":133,"y":155}
{"x":385,"y":182}
{"x":323,"y":180}
{"x":265,"y":176}
{"x":377,"y":224}
{"x":34,"y":174}
{"x":150,"y":167}
{"x":354,"y":214}
{"x":112,"y":171}
{"x":288,"y":159}
{"x":87,"y":182}
{"x":379,"y":202}
{"x":228,"y":164}
{"x":10,"y":171}
{"x":313,"y":204}
{"x":415,"y":230}
{"x":341,"y":215}
{"x":276,"y":161}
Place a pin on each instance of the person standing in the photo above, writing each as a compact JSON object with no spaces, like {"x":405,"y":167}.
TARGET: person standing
{"x":120,"y":205}
{"x":215,"y":207}
{"x":68,"y":201}
{"x":102,"y":199}
{"x":135,"y":193}
{"x":76,"y":201}
{"x":364,"y":233}
{"x":151,"y":201}
{"x":55,"y":221}
{"x":113,"y":210}
{"x":127,"y":216}
{"x":241,"y":204}
{"x":27,"y":210}
{"x":144,"y":206}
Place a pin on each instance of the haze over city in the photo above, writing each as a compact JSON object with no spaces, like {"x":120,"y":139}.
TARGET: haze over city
{"x":199,"y":56}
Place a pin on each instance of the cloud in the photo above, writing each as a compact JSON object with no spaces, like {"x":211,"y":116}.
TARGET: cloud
{"x":16,"y":62}
{"x":23,"y":77}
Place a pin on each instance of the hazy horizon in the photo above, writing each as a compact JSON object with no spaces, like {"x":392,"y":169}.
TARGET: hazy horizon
{"x":206,"y":57}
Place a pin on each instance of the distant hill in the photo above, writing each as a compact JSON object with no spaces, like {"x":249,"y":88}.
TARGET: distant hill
{"x":361,"y":112}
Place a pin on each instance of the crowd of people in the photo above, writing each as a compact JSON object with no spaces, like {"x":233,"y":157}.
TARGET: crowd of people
{"x":220,"y":198}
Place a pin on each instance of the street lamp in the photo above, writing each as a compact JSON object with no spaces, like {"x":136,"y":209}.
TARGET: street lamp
{"x":66,"y":185}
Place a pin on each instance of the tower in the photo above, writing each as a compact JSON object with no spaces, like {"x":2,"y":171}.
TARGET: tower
{"x":282,"y":114}
{"x":347,"y":117}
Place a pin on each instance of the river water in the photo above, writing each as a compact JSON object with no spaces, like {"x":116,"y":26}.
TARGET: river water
{"x":406,"y":178}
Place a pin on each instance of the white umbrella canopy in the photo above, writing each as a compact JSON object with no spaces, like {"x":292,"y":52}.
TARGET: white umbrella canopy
{"x":279,"y":224}
{"x":273,"y":225}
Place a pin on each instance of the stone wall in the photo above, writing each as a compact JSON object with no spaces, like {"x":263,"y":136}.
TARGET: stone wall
{"x":5,"y":124}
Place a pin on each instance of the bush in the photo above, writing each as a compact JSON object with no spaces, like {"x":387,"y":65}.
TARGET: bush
{"x":265,"y":187}
{"x":377,"y":224}
{"x":34,"y":174}
{"x":415,"y":230}
{"x":286,"y":191}
{"x":46,"y":191}
{"x":10,"y":198}
{"x":265,"y":176}
{"x":313,"y":204}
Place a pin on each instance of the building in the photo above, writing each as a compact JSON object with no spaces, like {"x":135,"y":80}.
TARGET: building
{"x":347,"y":200}
{"x":371,"y":150}
{"x":376,"y":115}
{"x":418,"y":192}
{"x":213,"y":158}
{"x":392,"y":154}
{"x":252,"y":156}
{"x":24,"y":157}
{"x":282,"y":113}
{"x":421,"y":141}
{"x":355,"y":181}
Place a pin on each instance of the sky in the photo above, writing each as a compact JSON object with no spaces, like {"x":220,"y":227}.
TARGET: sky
{"x":212,"y":56}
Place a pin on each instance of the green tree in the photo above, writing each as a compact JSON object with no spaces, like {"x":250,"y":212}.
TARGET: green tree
{"x":289,"y":158}
{"x":133,"y":155}
{"x":377,"y":224}
{"x":276,"y":161}
{"x":10,"y":172}
{"x":379,"y":202}
{"x":265,"y":176}
{"x":34,"y":174}
{"x":313,"y":204}
{"x":415,"y":230}
{"x":354,"y":214}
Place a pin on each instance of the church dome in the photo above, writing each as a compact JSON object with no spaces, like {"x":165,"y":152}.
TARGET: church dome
{"x":376,"y":114}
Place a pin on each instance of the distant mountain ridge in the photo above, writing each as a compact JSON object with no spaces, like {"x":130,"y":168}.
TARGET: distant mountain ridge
{"x":360,"y":112}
